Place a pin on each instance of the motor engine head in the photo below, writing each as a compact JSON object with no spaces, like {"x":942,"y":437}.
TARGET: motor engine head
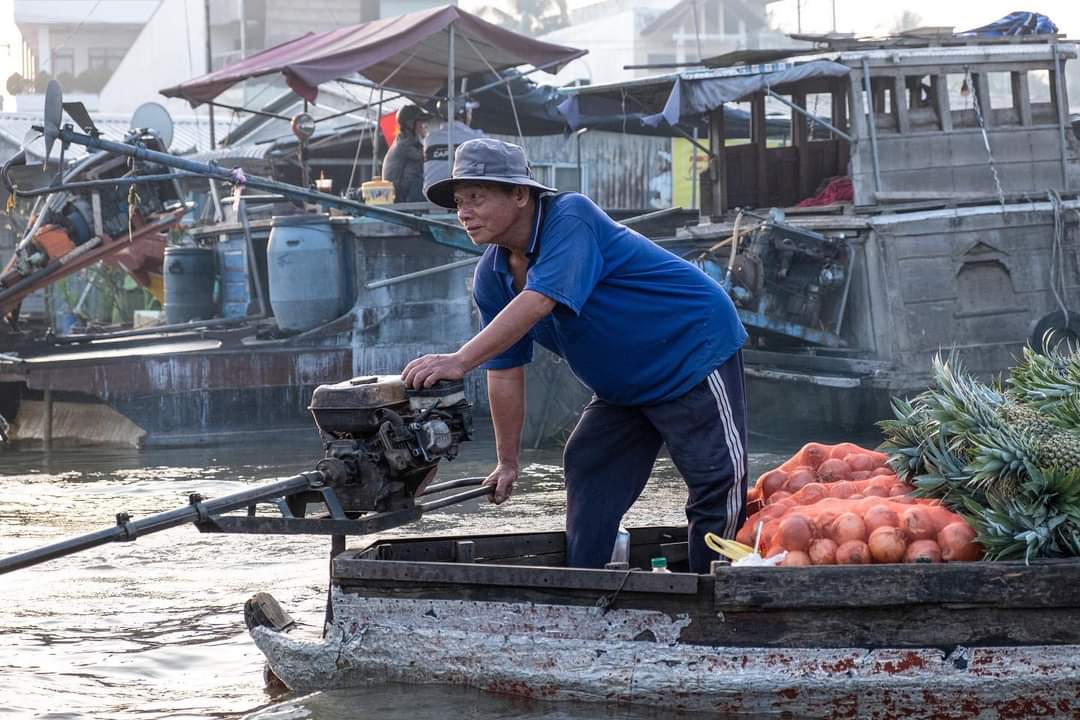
{"x":788,"y":272}
{"x":384,"y":441}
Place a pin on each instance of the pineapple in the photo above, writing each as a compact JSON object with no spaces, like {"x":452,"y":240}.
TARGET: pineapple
{"x":1006,"y":457}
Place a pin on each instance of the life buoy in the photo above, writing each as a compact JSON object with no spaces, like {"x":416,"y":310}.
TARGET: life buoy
{"x":1053,"y":329}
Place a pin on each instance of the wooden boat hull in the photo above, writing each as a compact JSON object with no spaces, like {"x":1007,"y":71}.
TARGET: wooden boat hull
{"x":959,"y":641}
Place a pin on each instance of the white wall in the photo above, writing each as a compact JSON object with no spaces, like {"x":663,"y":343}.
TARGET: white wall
{"x":170,"y":49}
{"x":610,"y":42}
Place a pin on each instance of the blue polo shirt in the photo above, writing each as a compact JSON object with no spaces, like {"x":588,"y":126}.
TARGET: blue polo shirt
{"x":636,"y":323}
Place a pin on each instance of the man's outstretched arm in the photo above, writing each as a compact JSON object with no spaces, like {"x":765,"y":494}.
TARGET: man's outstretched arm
{"x":509,"y":326}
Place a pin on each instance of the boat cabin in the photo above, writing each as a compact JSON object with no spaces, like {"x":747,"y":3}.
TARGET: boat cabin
{"x":906,"y":119}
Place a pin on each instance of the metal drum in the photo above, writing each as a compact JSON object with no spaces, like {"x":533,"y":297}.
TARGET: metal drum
{"x":306,"y":283}
{"x":190,"y":273}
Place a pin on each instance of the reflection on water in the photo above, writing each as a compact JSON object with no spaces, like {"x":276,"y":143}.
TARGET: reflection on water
{"x":154,"y":628}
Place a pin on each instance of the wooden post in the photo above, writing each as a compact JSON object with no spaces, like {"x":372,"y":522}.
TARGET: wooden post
{"x":1021,"y":98}
{"x":982,"y":96}
{"x":800,"y":137}
{"x":717,"y":166}
{"x":759,"y":139}
{"x":941,"y":102}
{"x":839,"y":120}
{"x":900,"y":105}
{"x":337,"y":546}
{"x":46,"y":434}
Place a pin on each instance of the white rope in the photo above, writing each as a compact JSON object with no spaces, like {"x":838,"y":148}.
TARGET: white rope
{"x":1057,"y":256}
{"x":975,"y":103}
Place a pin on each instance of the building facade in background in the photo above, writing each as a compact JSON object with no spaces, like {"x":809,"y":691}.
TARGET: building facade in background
{"x":114,"y":55}
{"x":619,"y":33}
{"x":78,"y":43}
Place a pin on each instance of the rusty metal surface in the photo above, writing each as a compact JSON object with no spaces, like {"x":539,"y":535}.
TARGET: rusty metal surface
{"x":559,"y":652}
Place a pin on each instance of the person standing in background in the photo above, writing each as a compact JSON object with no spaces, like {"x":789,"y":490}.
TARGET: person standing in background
{"x":437,"y":142}
{"x":403,"y":165}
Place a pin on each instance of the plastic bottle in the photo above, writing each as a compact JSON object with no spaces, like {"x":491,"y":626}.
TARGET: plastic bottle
{"x":621,"y":552}
{"x":659,"y":565}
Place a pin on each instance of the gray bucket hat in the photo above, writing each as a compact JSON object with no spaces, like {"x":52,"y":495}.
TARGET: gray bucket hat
{"x":484,"y":160}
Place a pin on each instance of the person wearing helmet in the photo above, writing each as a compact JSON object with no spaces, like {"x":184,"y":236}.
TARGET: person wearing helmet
{"x":403,"y":165}
{"x":437,"y":142}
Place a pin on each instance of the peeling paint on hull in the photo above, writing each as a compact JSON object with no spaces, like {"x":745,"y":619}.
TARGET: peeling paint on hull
{"x":559,"y":652}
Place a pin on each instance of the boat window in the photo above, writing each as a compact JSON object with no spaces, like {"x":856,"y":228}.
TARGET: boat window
{"x":778,"y":119}
{"x":1004,"y":109}
{"x":1041,"y":94}
{"x":885,"y":115}
{"x":922,"y":105}
{"x":820,"y":106}
{"x":961,"y":100}
{"x":737,"y":122}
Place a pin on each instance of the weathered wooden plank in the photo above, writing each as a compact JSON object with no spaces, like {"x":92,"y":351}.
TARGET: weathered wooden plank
{"x":998,"y":584}
{"x":349,"y":568}
{"x":898,"y":627}
{"x":900,"y":104}
{"x":486,"y":547}
{"x":718,"y":162}
{"x":941,"y":101}
{"x":800,"y":137}
{"x":760,"y":142}
{"x":906,"y":626}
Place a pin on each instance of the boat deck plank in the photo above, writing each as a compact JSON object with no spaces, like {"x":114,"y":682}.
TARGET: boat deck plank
{"x":997,"y":584}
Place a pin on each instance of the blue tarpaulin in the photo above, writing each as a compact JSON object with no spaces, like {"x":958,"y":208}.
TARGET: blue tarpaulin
{"x":683,"y":99}
{"x":693,"y":96}
{"x":1016,"y":23}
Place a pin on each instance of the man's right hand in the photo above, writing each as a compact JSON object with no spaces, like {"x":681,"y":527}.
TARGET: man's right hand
{"x":502,"y":477}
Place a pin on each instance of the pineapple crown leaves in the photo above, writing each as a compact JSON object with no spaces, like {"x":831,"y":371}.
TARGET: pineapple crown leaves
{"x":1064,"y":412}
{"x":1054,"y":487}
{"x":1009,"y":530}
{"x":959,"y":402}
{"x":945,"y":476}
{"x":905,"y":435}
{"x":1049,"y":382}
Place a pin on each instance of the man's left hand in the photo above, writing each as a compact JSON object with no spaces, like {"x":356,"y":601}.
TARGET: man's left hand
{"x":425,"y":371}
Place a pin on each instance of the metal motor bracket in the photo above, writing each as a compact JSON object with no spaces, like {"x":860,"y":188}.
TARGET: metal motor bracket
{"x":335,"y":521}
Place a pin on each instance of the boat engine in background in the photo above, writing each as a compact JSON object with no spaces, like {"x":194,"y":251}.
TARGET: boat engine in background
{"x":384,"y":441}
{"x":68,"y":219}
{"x":791,"y":275}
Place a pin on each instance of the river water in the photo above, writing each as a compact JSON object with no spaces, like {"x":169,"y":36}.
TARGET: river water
{"x":154,"y":628}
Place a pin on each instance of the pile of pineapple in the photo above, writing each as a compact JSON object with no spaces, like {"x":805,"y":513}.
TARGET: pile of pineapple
{"x":1005,"y":455}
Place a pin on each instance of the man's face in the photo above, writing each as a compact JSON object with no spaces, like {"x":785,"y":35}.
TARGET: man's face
{"x":488,"y":210}
{"x":420,"y":129}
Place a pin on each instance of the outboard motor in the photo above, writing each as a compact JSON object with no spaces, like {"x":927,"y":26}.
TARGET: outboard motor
{"x":384,"y":441}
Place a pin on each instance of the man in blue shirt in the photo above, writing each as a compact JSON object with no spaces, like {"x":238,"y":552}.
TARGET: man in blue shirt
{"x":656,"y":339}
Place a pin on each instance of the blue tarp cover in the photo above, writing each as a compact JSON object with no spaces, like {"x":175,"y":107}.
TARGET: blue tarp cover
{"x":1017,"y":23}
{"x":693,"y":96}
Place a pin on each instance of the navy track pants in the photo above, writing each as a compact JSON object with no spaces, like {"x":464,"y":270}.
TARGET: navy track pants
{"x":610,"y":455}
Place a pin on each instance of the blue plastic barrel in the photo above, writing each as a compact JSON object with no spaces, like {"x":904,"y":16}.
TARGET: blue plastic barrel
{"x":305,"y":268}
